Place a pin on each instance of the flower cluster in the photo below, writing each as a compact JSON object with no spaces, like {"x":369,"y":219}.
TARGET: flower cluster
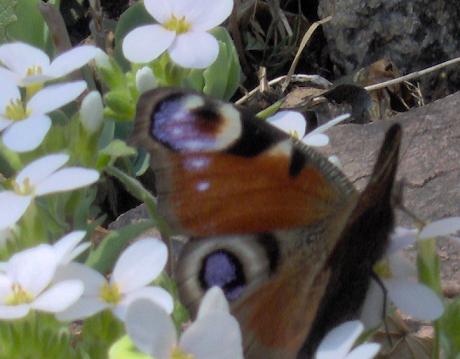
{"x":24,"y":118}
{"x":28,"y":279}
{"x":61,"y":136}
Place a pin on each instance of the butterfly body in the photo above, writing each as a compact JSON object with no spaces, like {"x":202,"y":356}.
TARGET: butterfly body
{"x":271,"y":221}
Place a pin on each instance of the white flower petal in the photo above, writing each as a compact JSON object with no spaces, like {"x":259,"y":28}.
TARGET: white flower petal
{"x":213,"y":301}
{"x":338,"y":342}
{"x":41,"y":168}
{"x":28,"y":134}
{"x":10,"y":76}
{"x":145,"y":79}
{"x":146,"y":43}
{"x":155,"y":294}
{"x":67,"y":179}
{"x":316,"y":140}
{"x":401,"y":238}
{"x":102,"y":60}
{"x":401,"y":267}
{"x":35,"y":79}
{"x":216,"y":335}
{"x":55,"y":96}
{"x":330,"y":123}
{"x":160,"y":10}
{"x":5,"y":283}
{"x":19,"y":57}
{"x":92,"y":280}
{"x":8,"y":92}
{"x":442,"y":227}
{"x":186,"y":9}
{"x":372,"y":309}
{"x":364,"y":351}
{"x":67,"y":244}
{"x":194,"y":50}
{"x":14,"y":311}
{"x":59,"y":296}
{"x":12,"y":207}
{"x":150,"y":328}
{"x":85,"y":307}
{"x":426,"y":306}
{"x":139,"y":264}
{"x":71,"y":60}
{"x":211,"y":14}
{"x":4,"y":123}
{"x":33,"y":268}
{"x":291,"y":122}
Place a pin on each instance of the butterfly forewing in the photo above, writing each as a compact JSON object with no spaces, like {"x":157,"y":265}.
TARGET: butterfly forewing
{"x":221,"y":172}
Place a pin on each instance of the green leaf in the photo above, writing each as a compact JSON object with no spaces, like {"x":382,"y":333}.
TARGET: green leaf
{"x":134,"y":187}
{"x":142,"y":162}
{"x":428,"y":264}
{"x":116,"y":149}
{"x":124,"y":348}
{"x":222,"y":78}
{"x":450,"y":330}
{"x":120,"y":105}
{"x":105,"y":255}
{"x":107,"y":133}
{"x":133,"y":17}
{"x":30,"y":26}
{"x":7,"y":16}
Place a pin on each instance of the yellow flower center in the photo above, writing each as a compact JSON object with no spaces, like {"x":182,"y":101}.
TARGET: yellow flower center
{"x":34,"y":70}
{"x":24,"y":188}
{"x":178,"y":25}
{"x":16,"y":110}
{"x":294,"y":134}
{"x":110,"y":293}
{"x":19,"y":296}
{"x":33,"y":88}
{"x":382,"y":269}
{"x":178,"y":353}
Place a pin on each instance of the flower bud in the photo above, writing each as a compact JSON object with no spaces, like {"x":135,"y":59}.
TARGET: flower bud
{"x":145,"y":79}
{"x":92,"y":112}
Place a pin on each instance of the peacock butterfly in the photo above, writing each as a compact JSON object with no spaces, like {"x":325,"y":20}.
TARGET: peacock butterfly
{"x":273,"y":223}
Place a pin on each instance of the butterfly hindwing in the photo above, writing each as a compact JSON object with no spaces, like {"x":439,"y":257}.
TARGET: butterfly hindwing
{"x":361,"y":245}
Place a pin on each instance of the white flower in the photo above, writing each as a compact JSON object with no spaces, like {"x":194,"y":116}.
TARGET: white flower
{"x":38,"y":178}
{"x":137,"y":266}
{"x":68,"y":247}
{"x":214,"y":334}
{"x":181,"y":30}
{"x":145,"y":79}
{"x":26,"y":284}
{"x":26,"y":124}
{"x":399,"y":277}
{"x":338,"y":342}
{"x":25,"y":64}
{"x":294,"y":123}
{"x":442,"y":227}
{"x":92,"y":112}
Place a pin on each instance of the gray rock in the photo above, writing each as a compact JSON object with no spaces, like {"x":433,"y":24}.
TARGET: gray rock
{"x":414,"y":34}
{"x":429,"y":167}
